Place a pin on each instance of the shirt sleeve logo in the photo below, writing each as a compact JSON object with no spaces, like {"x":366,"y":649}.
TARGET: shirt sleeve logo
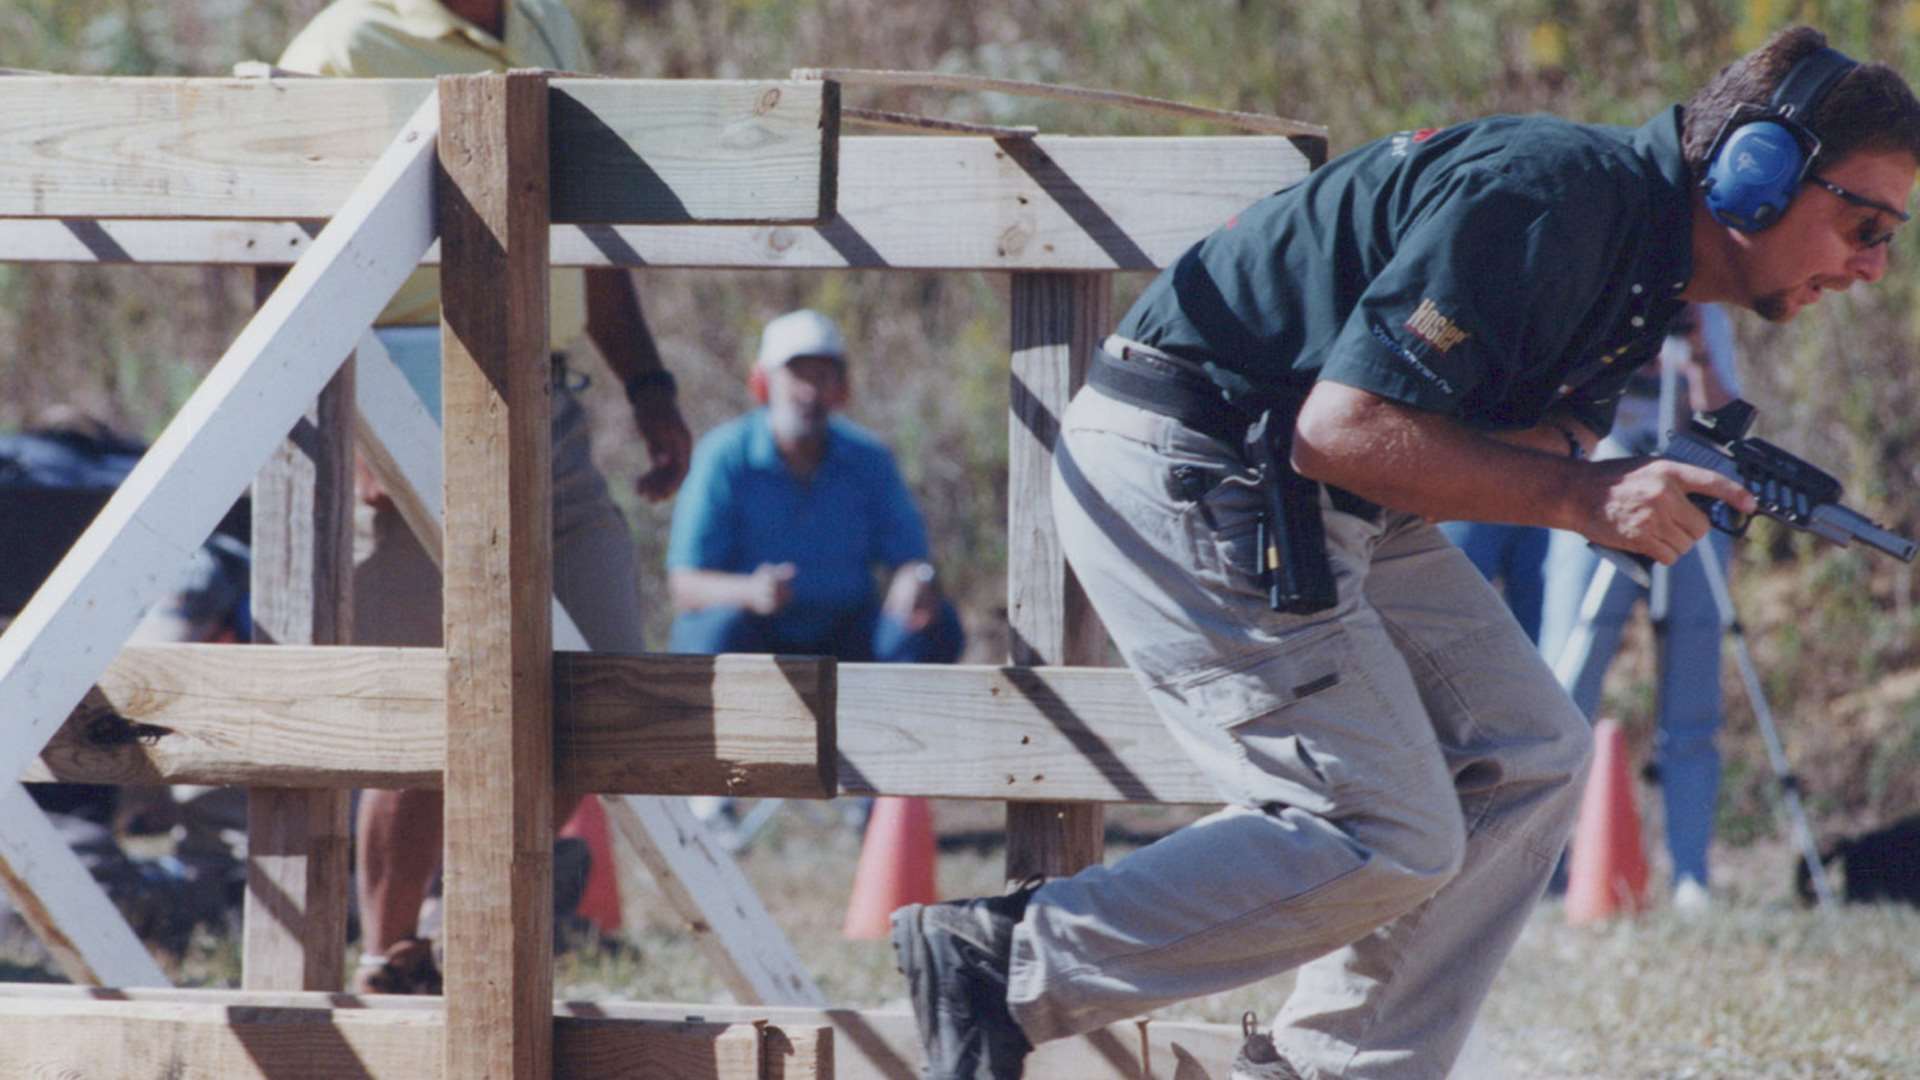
{"x":1438,"y":331}
{"x":1401,"y":143}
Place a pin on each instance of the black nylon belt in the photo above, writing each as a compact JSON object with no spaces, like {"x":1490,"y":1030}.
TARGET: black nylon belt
{"x":1160,"y":384}
{"x":1149,"y":379}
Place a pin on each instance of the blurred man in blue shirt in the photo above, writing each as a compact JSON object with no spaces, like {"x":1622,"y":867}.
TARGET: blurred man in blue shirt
{"x":785,"y":516}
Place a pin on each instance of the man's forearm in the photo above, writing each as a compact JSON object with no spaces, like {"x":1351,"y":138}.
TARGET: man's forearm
{"x":1558,"y":434}
{"x":691,"y":590}
{"x":617,"y":325}
{"x":1430,"y":465}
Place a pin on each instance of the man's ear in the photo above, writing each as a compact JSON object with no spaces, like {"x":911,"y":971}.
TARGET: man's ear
{"x":844,"y":394}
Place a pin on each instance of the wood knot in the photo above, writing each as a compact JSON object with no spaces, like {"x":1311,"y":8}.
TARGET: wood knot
{"x":1014,"y":239}
{"x":112,"y":729}
{"x":768,"y":100}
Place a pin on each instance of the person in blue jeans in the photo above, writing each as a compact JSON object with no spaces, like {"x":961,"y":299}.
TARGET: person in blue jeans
{"x":787,"y":515}
{"x":1701,"y":350}
{"x":1512,"y":555}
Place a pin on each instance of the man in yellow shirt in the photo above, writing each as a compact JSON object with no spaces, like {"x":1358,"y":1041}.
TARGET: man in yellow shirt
{"x":397,"y":587}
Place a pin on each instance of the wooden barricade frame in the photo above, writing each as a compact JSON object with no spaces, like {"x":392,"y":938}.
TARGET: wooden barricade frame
{"x":497,"y":178}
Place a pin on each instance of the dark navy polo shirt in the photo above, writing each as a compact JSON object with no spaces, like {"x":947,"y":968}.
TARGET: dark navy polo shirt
{"x":741,"y":506}
{"x":1486,"y":271}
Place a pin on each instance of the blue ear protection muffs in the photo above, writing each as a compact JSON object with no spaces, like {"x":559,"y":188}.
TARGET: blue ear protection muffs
{"x":1761,"y":156}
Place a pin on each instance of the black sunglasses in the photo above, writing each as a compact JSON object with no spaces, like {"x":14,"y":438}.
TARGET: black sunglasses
{"x":1854,"y":199}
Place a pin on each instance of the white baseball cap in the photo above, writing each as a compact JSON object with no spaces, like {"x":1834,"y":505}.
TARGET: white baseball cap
{"x":800,"y":333}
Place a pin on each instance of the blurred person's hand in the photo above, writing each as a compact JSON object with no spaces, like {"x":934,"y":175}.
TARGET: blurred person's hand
{"x":770,"y":588}
{"x":912,"y":596}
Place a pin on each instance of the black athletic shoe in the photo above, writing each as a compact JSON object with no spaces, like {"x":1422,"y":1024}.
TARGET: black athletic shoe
{"x":1258,"y":1058}
{"x":955,"y":957}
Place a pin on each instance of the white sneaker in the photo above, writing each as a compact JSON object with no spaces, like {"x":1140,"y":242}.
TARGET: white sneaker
{"x":1690,"y":897}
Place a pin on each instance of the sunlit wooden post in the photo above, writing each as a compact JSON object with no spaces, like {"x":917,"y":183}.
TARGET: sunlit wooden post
{"x":493,"y":204}
{"x":295,"y":924}
{"x":1057,"y":320}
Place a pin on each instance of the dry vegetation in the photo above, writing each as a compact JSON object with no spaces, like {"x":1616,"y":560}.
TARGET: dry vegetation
{"x":1761,"y":991}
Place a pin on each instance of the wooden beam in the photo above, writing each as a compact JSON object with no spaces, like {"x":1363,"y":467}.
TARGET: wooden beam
{"x":1079,"y":95}
{"x":1045,"y":734}
{"x":233,"y":1039}
{"x":1052,"y":203}
{"x":780,"y":735}
{"x":629,"y":150}
{"x":375,"y":717}
{"x":498,"y":575}
{"x":866,"y":1044}
{"x":59,"y":645}
{"x":294,"y":927}
{"x":1058,"y":319}
{"x":677,"y":150}
{"x":921,"y":125}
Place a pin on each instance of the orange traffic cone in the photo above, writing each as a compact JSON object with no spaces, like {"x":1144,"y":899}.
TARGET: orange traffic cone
{"x":896,"y":866}
{"x":600,"y":904}
{"x":1607,"y":874}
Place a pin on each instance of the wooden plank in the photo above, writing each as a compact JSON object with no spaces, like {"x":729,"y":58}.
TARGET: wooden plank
{"x":715,"y":902}
{"x":237,"y":1038}
{"x":866,"y":1044}
{"x":56,"y":897}
{"x":294,"y":933}
{"x":86,"y":240}
{"x":675,"y":150}
{"x":59,"y":645}
{"x":1055,"y":203}
{"x":607,"y":703}
{"x":1058,"y":319}
{"x":1068,"y":734}
{"x":299,"y":867}
{"x":110,"y":1040}
{"x":498,"y":575}
{"x":682,"y":1050}
{"x":921,"y":125}
{"x":243,"y":715}
{"x":1079,"y":95}
{"x":499,"y":771}
{"x":374,"y":717}
{"x":632,"y":150}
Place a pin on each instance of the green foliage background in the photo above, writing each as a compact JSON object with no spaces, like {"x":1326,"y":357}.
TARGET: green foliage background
{"x":1832,"y":630}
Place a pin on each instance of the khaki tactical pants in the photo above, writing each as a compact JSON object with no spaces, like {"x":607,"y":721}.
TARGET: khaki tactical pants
{"x":1400,"y":772}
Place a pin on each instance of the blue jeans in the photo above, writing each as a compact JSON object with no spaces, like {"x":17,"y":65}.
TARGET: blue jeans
{"x":1684,"y":750}
{"x":1511,"y":555}
{"x":865,"y":635}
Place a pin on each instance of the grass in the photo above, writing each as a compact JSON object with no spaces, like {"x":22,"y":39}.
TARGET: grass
{"x":1756,"y":988}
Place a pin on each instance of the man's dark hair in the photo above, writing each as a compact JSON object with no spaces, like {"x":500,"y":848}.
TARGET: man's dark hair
{"x":1871,"y":108}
